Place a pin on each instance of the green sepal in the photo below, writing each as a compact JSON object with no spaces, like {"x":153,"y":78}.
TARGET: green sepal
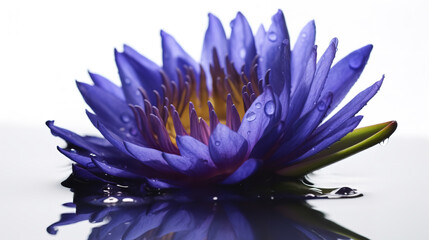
{"x":354,"y":142}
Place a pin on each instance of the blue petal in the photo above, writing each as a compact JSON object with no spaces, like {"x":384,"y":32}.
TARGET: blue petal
{"x":117,"y":136}
{"x":335,"y":136}
{"x":149,"y":157}
{"x":214,"y":38}
{"x":301,"y":53}
{"x":302,"y":129}
{"x":174,"y":57}
{"x":259,"y":39}
{"x":242,"y":49}
{"x":194,"y":160}
{"x":349,"y":110}
{"x":322,"y":70}
{"x":227,"y":148}
{"x":86,"y":174}
{"x":74,"y":139}
{"x":107,"y":85}
{"x":244,"y":171}
{"x":78,"y":158}
{"x":116,"y":171}
{"x":275,"y":54}
{"x":148,"y":73}
{"x":344,"y":75}
{"x":258,"y":117}
{"x":111,"y":110}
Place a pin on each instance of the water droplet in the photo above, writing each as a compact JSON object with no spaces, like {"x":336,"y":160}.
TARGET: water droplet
{"x":321,"y":106}
{"x":133,"y":131}
{"x":345,"y":191}
{"x":127,"y":81}
{"x":215,"y":198}
{"x":110,"y":200}
{"x":261,"y":59}
{"x":272,"y":197}
{"x":92,"y":155}
{"x":128,"y":200}
{"x":73,"y":150}
{"x":248,"y":132}
{"x":250,"y":116}
{"x":304,"y":35}
{"x":125,"y":118}
{"x":270,"y":108}
{"x":258,"y":105}
{"x":242,"y":53}
{"x":138,"y":93}
{"x":356,"y":61}
{"x":217,"y":143}
{"x":384,"y":142}
{"x":272,"y":36}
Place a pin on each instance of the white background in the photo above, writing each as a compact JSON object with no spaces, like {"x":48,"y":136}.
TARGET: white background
{"x":46,"y":45}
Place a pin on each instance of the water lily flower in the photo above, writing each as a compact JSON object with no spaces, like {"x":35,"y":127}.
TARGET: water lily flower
{"x":252,"y":108}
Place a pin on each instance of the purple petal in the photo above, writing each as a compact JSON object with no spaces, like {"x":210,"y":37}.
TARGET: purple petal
{"x":300,"y":95}
{"x":72,"y":138}
{"x":301,"y":53}
{"x":107,"y":85}
{"x":259,"y":38}
{"x":275,"y":54}
{"x":242,"y":49}
{"x":349,"y":110}
{"x":335,"y":136}
{"x":116,"y":171}
{"x":86,"y":175}
{"x":68,"y":219}
{"x":322,"y":70}
{"x":228,"y":149}
{"x":258,"y":117}
{"x":194,"y":160}
{"x":344,"y":74}
{"x":78,"y":158}
{"x":112,"y":111}
{"x":214,"y":38}
{"x":174,"y":57}
{"x":302,"y":129}
{"x":149,"y":157}
{"x":244,"y":171}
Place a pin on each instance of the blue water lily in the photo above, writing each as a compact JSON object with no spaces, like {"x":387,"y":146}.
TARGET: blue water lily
{"x":251,"y":109}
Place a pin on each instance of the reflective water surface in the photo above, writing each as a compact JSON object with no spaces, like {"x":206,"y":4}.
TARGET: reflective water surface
{"x":392,"y":177}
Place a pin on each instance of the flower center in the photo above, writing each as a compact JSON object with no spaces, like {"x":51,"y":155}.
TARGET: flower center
{"x":188,"y":107}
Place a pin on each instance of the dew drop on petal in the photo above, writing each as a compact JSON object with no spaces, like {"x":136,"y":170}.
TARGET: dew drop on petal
{"x":73,"y":150}
{"x":304,"y":35}
{"x":92,"y":155}
{"x":138,"y":93}
{"x":248,"y":132}
{"x":258,"y":105}
{"x":122,"y":129}
{"x":250,"y":116}
{"x":127,"y":81}
{"x":356,"y":61}
{"x":242,"y":53}
{"x":321,"y":106}
{"x":269,"y":108}
{"x":272,"y":36}
{"x":217,"y":143}
{"x":125,"y":118}
{"x":110,"y":200}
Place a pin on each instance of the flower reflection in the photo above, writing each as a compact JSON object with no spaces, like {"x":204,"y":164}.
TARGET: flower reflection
{"x":138,"y":217}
